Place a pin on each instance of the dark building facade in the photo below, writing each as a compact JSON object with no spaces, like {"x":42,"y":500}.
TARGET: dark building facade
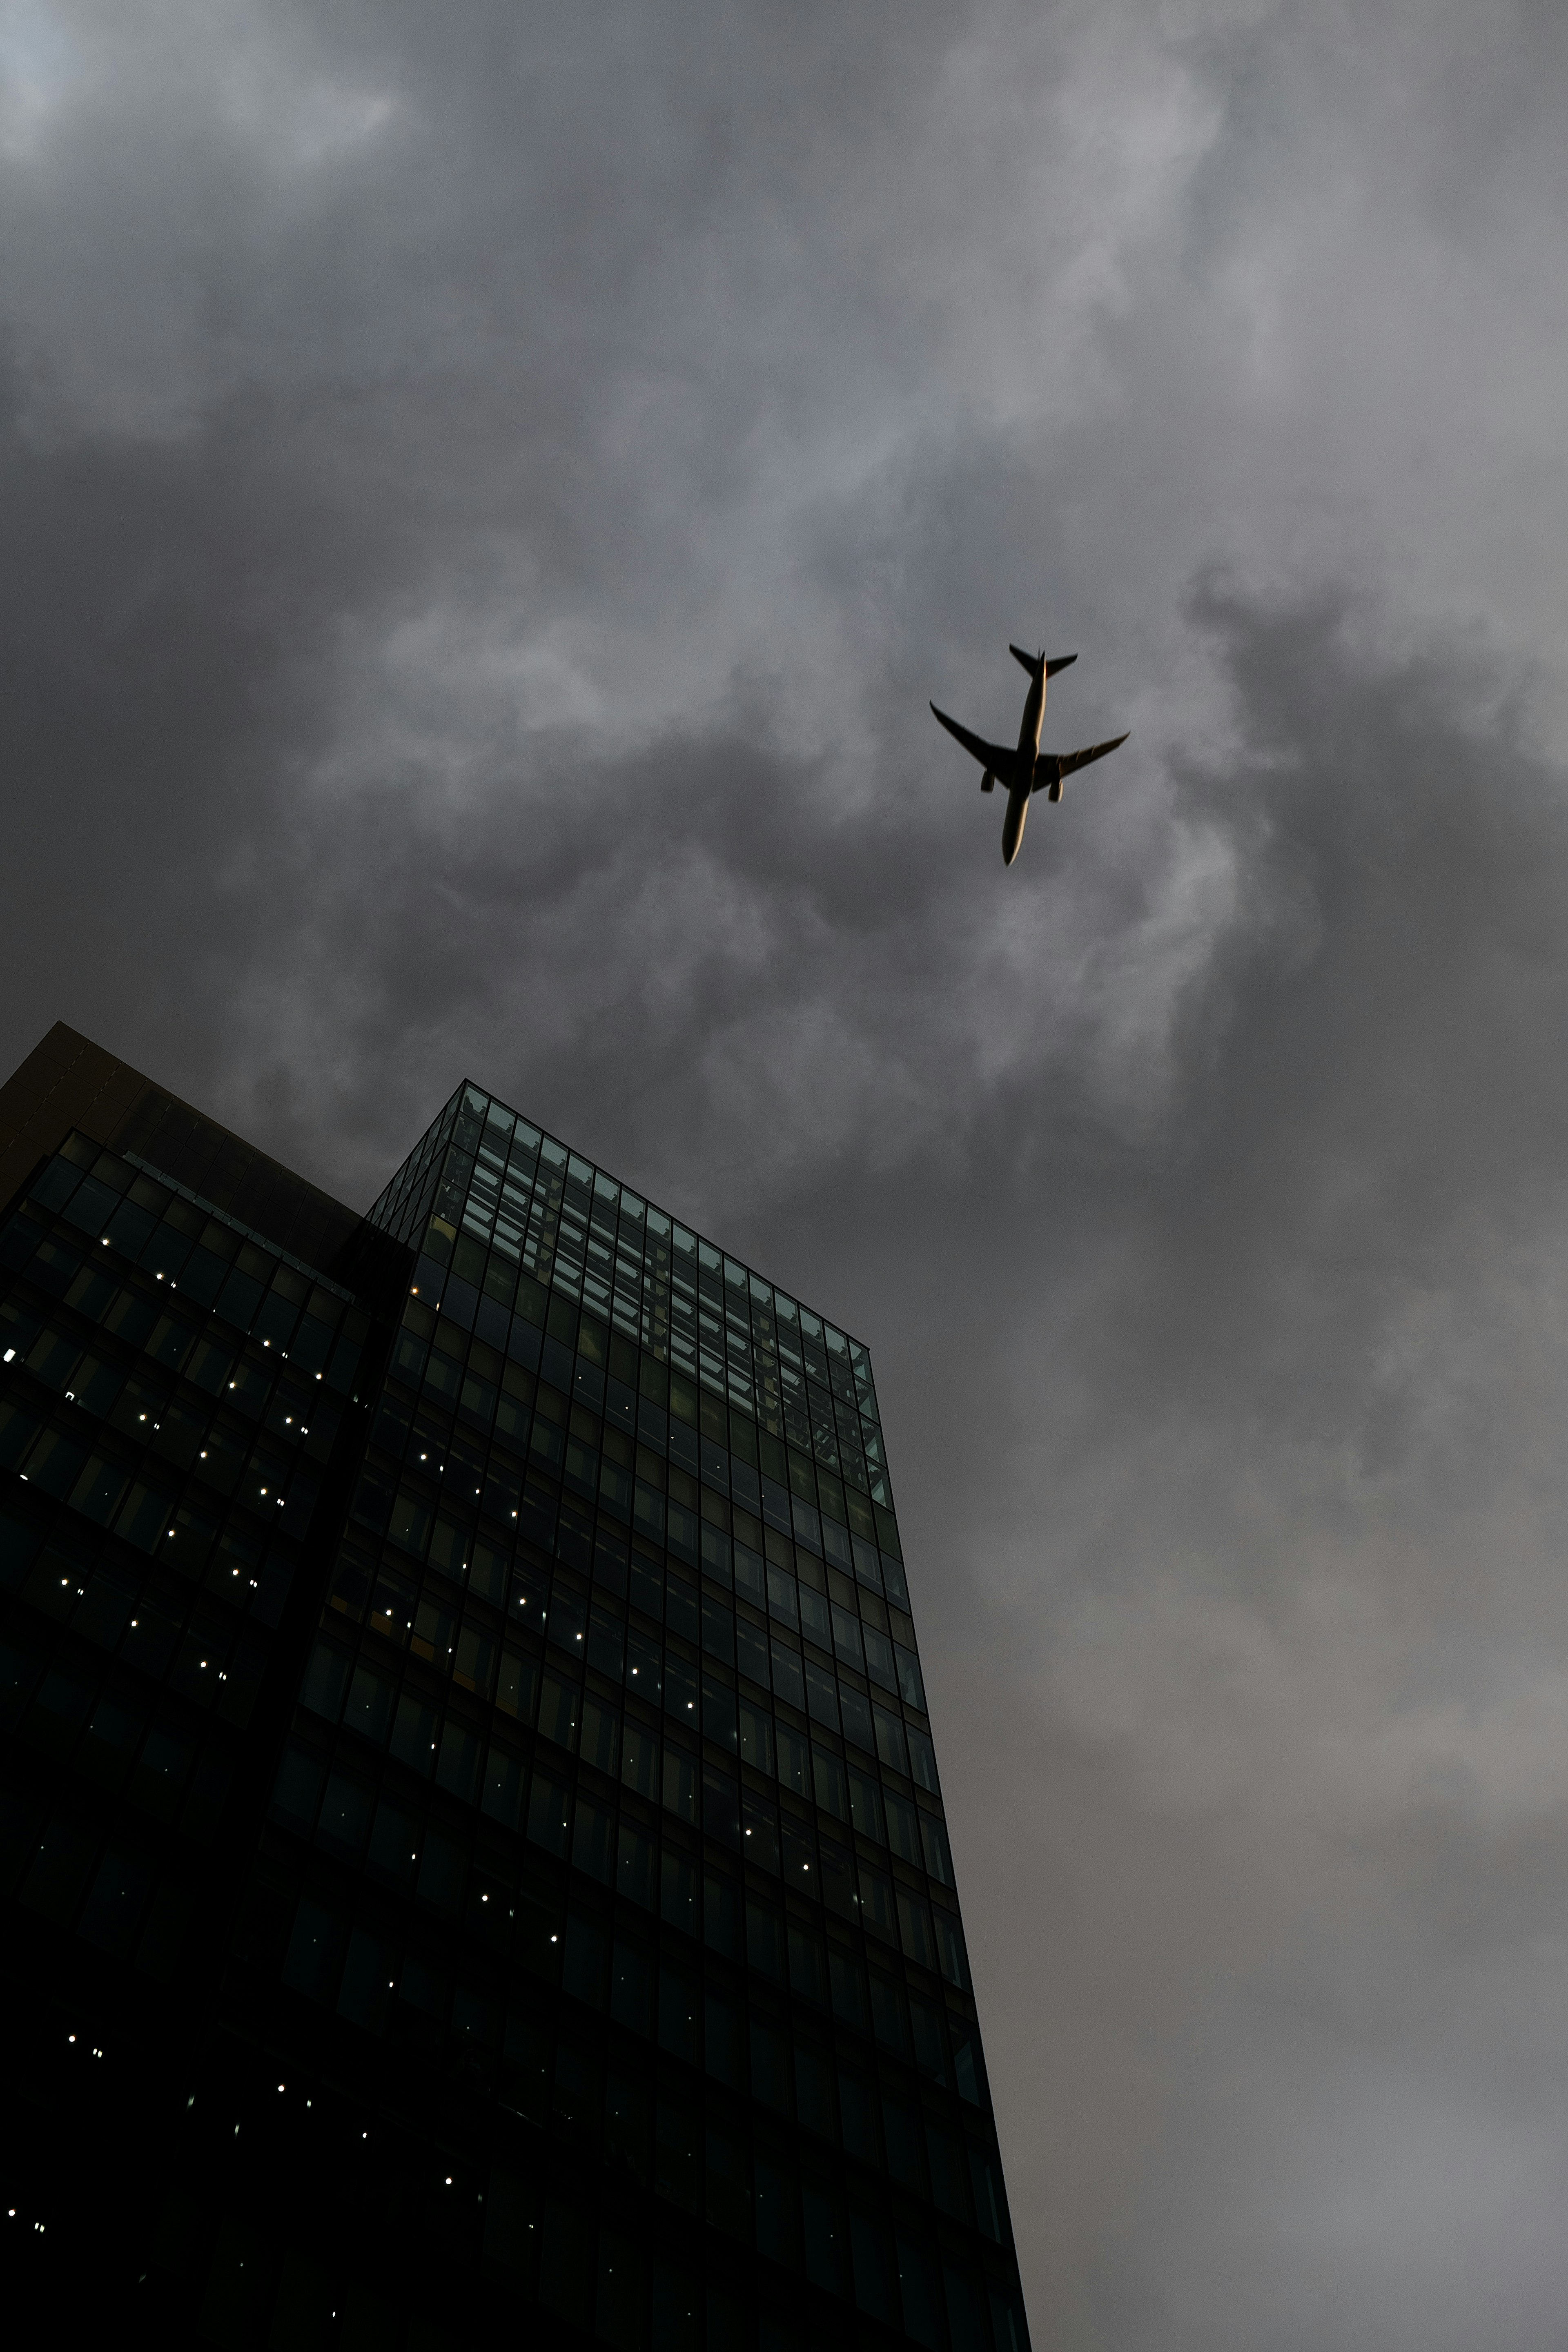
{"x":473,"y":1859}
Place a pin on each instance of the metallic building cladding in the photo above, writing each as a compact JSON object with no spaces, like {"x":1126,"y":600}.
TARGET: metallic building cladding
{"x":599,"y":1825}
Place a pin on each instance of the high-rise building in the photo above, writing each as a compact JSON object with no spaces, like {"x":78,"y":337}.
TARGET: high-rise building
{"x":474,"y":1864}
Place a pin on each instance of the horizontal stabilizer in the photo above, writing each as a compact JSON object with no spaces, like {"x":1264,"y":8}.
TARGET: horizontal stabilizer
{"x":1031,"y":662}
{"x":999,"y":757}
{"x":1052,"y":766}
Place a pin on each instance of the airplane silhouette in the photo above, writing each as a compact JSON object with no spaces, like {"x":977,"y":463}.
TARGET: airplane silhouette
{"x":1028,"y":769}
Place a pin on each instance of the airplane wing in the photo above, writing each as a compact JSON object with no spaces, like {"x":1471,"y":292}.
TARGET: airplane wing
{"x":999,"y":757}
{"x":1052,"y":766}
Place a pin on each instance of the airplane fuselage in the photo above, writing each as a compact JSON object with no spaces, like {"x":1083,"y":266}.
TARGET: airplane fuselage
{"x":1021,"y":771}
{"x":1021,"y":783}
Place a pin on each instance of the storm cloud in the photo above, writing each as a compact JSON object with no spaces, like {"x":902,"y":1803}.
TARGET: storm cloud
{"x":485,"y":496}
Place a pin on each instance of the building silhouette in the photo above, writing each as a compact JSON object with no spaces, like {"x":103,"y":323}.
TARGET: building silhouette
{"x":474,"y":1868}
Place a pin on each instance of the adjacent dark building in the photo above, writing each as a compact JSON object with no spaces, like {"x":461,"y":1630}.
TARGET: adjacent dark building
{"x":473,"y":1860}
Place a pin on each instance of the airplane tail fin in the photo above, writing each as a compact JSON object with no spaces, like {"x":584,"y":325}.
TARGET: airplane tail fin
{"x":1031,"y":662}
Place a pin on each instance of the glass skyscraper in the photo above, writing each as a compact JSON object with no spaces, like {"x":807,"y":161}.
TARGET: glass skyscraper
{"x":474,"y":1863}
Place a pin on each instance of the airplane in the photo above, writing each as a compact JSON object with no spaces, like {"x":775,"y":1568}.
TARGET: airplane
{"x":1027,"y":770}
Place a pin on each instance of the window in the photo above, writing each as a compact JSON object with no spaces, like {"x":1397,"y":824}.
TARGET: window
{"x":718,"y":1717}
{"x":721,"y":2041}
{"x":640,"y":1759}
{"x":568,"y":1620}
{"x":966,"y":2068}
{"x":789,"y":1675}
{"x":721,"y":1807}
{"x":890,"y":1745}
{"x":869,"y":2251}
{"x":635,"y":1866}
{"x":914,"y":1930}
{"x":678,"y":2013}
{"x":587,"y":1958}
{"x":931,"y":2042}
{"x":815,"y":1621}
{"x":680,"y":1608}
{"x":822,"y":1696}
{"x":924,"y":1762}
{"x":677,"y":1891}
{"x":117,"y":1901}
{"x":752,"y":1650}
{"x":795,"y":1761}
{"x":631,"y":1988}
{"x":458,"y":1768}
{"x":880,"y":1659}
{"x":760,"y":1831}
{"x":903,"y":1830}
{"x":920,"y":2293}
{"x":160,"y":1777}
{"x":503,"y":1785}
{"x":443,"y":1867}
{"x":777,"y":2222}
{"x":549,"y":1813}
{"x":368,"y":1710}
{"x":799,"y":1855}
{"x":764,"y":1940}
{"x":947,"y":2171}
{"x":866,"y":1806}
{"x":413,"y":1735}
{"x":628,"y":2120}
{"x":728,"y":2198}
{"x":607,"y":1642}
{"x":877,"y":1903}
{"x":558,"y":1710}
{"x":756,"y":1735}
{"x":680,"y":1783}
{"x":394,"y":1844}
{"x":825,"y":2246}
{"x":600,"y":1744}
{"x":676,"y":2171}
{"x":369,"y":1973}
{"x":297,"y":1787}
{"x":887,"y":2014}
{"x":855,"y":1709}
{"x":315,"y":1951}
{"x":831,"y":1786}
{"x":814,"y":2091}
{"x":951,"y":1957}
{"x":782,"y":1603}
{"x":984,"y":2186}
{"x":566,"y":2263}
{"x":858,"y":2106}
{"x":516,"y":1686}
{"x":644,"y":1667}
{"x":965,"y":2312}
{"x":621,"y":2293}
{"x":344,"y":1817}
{"x":838,"y":1880}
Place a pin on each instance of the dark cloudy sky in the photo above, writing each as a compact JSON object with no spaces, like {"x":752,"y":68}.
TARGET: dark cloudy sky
{"x":485,"y":493}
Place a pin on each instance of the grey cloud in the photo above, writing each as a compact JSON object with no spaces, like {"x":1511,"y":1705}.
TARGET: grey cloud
{"x":486,"y":498}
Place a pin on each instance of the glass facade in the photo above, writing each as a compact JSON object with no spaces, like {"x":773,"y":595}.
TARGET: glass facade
{"x":465,"y":1749}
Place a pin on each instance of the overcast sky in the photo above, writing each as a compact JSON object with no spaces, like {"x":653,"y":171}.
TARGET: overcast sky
{"x":485,"y":494}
